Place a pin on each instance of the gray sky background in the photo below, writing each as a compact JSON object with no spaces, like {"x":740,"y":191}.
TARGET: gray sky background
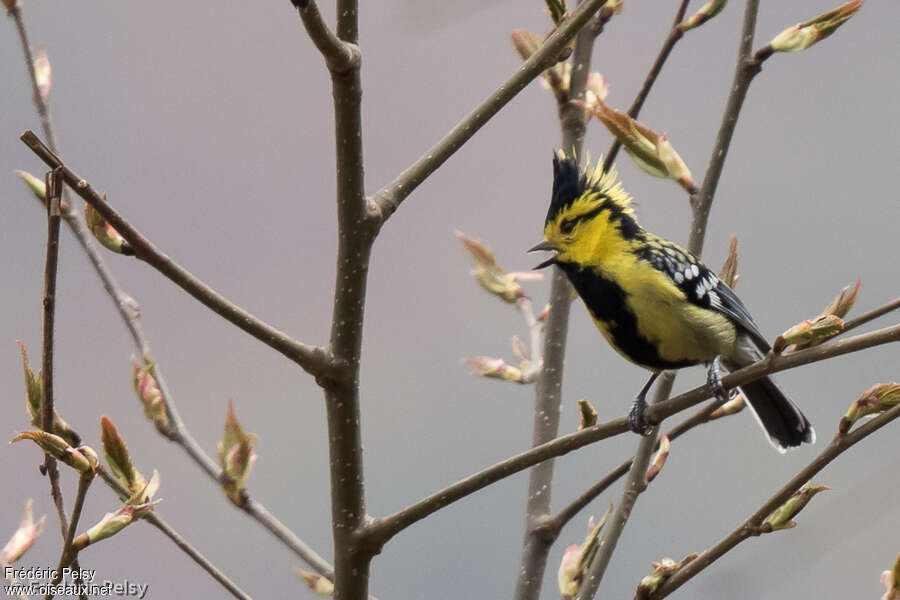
{"x":209,"y":126}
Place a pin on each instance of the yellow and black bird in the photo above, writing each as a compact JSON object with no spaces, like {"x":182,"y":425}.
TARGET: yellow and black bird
{"x":653,"y":301}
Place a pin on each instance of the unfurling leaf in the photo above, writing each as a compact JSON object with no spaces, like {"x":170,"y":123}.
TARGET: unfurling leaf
{"x":651,"y":151}
{"x":112,"y":523}
{"x":320,"y":585}
{"x":891,"y":581}
{"x":706,"y":12}
{"x":729,"y":274}
{"x":810,"y":332}
{"x":843,"y":302}
{"x":83,"y":459}
{"x":577,"y":559}
{"x":782,"y":517}
{"x":588,"y":414}
{"x":33,"y":398}
{"x":148,"y":393}
{"x":805,"y":34}
{"x":24,"y":536}
{"x":490,"y":275}
{"x":659,"y":458}
{"x":236,"y":456}
{"x":876,"y":399}
{"x":43,"y":74}
{"x":662,"y":570}
{"x":105,"y":233}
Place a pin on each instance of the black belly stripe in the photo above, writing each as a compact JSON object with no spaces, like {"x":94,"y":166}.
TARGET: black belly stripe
{"x":605,"y":300}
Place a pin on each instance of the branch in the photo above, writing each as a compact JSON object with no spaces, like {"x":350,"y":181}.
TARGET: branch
{"x":341,"y":57}
{"x":384,"y":528}
{"x":312,"y":359}
{"x":67,"y":556}
{"x":634,"y":110}
{"x":751,"y":527}
{"x":870,"y":316}
{"x":388,"y":198}
{"x":773,"y":363}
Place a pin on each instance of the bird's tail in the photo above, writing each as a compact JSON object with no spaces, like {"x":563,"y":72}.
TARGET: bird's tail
{"x":782,"y":421}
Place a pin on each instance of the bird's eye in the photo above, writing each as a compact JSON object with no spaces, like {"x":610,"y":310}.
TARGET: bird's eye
{"x":567,"y":226}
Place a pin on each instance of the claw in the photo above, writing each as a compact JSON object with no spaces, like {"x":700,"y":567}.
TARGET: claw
{"x":714,"y":381}
{"x":636,"y":417}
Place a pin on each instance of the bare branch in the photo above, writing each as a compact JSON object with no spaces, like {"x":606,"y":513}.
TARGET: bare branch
{"x":384,"y":528}
{"x":312,"y":359}
{"x":870,"y":316}
{"x":388,"y":199}
{"x":751,"y":527}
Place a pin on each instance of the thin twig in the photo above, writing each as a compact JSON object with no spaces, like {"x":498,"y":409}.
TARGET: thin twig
{"x":67,"y":555}
{"x":312,"y":359}
{"x":870,"y":316}
{"x":388,"y":199}
{"x":751,"y":527}
{"x":259,"y":513}
{"x":53,"y":187}
{"x":634,"y":110}
{"x":384,"y":528}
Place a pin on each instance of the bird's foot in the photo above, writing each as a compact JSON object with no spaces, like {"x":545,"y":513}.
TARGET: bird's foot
{"x":714,"y":380}
{"x":636,"y":417}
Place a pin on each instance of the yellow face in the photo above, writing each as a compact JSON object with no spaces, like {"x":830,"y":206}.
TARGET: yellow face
{"x":583,"y":232}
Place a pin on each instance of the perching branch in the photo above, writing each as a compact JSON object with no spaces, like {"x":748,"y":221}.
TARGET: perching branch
{"x":566,"y":514}
{"x":388,"y":198}
{"x":751,"y":527}
{"x":312,"y":359}
{"x":384,"y":528}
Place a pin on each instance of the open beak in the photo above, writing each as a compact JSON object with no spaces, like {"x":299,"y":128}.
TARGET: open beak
{"x":545,"y":247}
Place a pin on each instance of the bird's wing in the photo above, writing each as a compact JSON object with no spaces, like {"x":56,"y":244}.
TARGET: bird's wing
{"x":700,"y":285}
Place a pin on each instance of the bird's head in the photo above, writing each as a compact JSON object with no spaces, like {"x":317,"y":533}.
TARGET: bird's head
{"x":590,"y":214}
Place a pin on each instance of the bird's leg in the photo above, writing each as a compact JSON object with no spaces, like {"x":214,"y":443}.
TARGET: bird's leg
{"x":714,"y":381}
{"x":636,"y":414}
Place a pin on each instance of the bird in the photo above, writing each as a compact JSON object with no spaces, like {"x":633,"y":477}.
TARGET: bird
{"x":655,"y":303}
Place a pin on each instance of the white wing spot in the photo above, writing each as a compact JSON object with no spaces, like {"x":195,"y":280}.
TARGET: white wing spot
{"x":679,"y":277}
{"x":695,"y":270}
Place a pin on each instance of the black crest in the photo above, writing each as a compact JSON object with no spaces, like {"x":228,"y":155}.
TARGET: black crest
{"x":567,"y":185}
